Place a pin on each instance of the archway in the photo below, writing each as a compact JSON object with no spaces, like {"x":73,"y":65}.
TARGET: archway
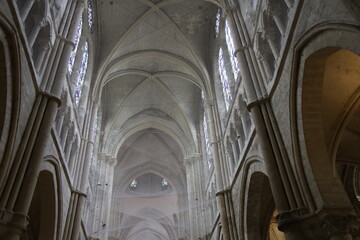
{"x":8,"y":104}
{"x":261,"y":213}
{"x":149,"y":188}
{"x":330,"y":114}
{"x":43,"y":209}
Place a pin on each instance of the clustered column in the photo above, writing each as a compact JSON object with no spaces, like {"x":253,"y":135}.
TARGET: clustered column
{"x":215,"y":148}
{"x":289,"y":202}
{"x":21,"y":181}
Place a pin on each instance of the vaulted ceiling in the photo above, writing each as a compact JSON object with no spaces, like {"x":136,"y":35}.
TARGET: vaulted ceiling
{"x":153,"y":63}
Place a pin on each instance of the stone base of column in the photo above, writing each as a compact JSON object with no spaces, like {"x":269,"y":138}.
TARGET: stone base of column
{"x":340,"y":224}
{"x":12,"y":225}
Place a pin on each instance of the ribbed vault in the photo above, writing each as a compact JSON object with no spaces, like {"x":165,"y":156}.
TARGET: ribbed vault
{"x":152,"y":67}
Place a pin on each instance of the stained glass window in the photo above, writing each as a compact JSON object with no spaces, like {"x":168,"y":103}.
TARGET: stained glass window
{"x":164,"y":182}
{"x":217,"y":22}
{"x":76,"y":43}
{"x":207,"y":140}
{"x":231,"y":49}
{"x":82,"y":71}
{"x":133,"y":184}
{"x":90,"y":14}
{"x":224,"y":80}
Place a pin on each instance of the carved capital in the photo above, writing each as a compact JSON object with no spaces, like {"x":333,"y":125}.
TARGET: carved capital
{"x":50,"y":96}
{"x":65,"y":40}
{"x":208,"y":103}
{"x":111,"y":161}
{"x":192,"y":159}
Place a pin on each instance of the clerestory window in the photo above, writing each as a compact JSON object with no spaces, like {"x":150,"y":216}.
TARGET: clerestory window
{"x":207,"y":140}
{"x":76,"y":43}
{"x":231,"y":50}
{"x":224,"y":80}
{"x":82,"y":72}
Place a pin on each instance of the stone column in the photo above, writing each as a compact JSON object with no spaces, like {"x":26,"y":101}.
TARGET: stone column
{"x":298,"y":220}
{"x":199,"y":194}
{"x":16,"y":198}
{"x":230,"y":212}
{"x":195,"y":179}
{"x":83,"y":170}
{"x":258,"y":119}
{"x":190,"y":194}
{"x":107,"y":196}
{"x":210,"y":111}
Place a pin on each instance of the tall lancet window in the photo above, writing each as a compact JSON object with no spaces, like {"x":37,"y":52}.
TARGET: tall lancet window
{"x":217,"y":22}
{"x":90,"y":14}
{"x":207,"y":140}
{"x":224,"y":80}
{"x":82,"y":71}
{"x":76,"y":43}
{"x":231,"y":49}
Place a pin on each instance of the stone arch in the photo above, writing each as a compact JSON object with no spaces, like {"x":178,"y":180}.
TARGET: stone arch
{"x":325,"y":120}
{"x":42,"y":45}
{"x":315,"y":138}
{"x":153,"y":214}
{"x":264,"y":54}
{"x":199,"y":73}
{"x":170,"y":201}
{"x":272,"y":33}
{"x":10,"y":96}
{"x":257,"y":206}
{"x":159,"y":170}
{"x":44,"y":218}
{"x":258,"y":201}
{"x":31,"y":13}
{"x":168,"y":127}
{"x":178,"y":182}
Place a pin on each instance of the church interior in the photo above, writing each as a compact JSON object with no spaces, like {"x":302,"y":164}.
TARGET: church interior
{"x":180,"y":120}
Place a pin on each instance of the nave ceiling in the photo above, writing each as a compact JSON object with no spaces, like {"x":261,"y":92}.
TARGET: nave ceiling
{"x":151,"y":68}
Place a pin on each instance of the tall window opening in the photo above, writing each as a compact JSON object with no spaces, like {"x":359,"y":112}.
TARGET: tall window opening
{"x":207,"y":140}
{"x":82,"y":71}
{"x":90,"y":14}
{"x":231,"y":50}
{"x":224,"y":80}
{"x":76,"y":43}
{"x":217,"y":22}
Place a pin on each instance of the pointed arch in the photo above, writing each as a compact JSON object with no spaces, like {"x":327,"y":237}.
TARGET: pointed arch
{"x":313,"y":153}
